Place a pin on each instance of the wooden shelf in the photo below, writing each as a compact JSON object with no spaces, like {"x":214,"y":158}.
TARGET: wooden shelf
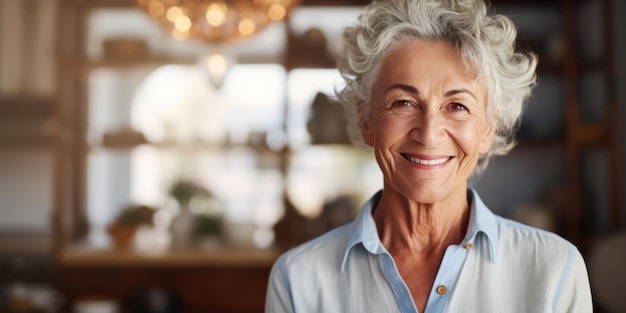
{"x":182,"y":146}
{"x":26,"y":121}
{"x":591,"y":134}
{"x":154,"y":62}
{"x":223,"y":257}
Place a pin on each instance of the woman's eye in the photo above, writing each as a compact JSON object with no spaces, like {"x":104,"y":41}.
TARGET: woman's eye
{"x":401,"y":103}
{"x":458,"y":107}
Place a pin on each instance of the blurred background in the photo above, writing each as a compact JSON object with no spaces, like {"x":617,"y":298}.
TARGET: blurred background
{"x":158,"y":155}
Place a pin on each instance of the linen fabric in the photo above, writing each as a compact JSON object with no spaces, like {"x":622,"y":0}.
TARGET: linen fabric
{"x":500,"y":266}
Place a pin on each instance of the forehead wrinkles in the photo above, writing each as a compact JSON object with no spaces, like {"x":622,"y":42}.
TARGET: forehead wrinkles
{"x":445,"y":77}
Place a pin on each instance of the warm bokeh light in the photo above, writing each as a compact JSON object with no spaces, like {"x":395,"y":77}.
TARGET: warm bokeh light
{"x":173,"y":13}
{"x":217,"y":21}
{"x":216,"y":64}
{"x":156,"y":8}
{"x":183,"y":24}
{"x":216,"y":14}
{"x":246,"y":26}
{"x":276,"y":12}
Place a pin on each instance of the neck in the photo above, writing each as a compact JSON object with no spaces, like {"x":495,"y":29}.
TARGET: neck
{"x":421,"y":228}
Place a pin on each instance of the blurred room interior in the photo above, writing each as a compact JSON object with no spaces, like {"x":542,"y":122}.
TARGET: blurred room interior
{"x":149,"y":163}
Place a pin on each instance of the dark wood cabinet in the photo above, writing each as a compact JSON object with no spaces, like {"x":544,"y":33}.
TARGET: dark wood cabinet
{"x":211,"y":281}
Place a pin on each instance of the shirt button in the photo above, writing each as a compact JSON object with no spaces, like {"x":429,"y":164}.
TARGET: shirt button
{"x":467,"y":245}
{"x":442,"y":290}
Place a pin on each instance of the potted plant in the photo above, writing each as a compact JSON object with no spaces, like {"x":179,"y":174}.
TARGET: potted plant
{"x":122,"y":229}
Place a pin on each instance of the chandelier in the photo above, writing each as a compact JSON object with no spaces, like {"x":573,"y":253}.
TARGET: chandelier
{"x":216,"y":20}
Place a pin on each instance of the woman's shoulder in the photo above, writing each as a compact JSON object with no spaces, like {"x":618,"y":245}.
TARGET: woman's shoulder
{"x":516,"y":238}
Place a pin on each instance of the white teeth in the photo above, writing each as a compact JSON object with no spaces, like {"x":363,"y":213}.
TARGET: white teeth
{"x":427,"y":162}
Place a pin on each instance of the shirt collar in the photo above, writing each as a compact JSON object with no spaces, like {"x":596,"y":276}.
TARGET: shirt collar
{"x":364,"y":232}
{"x":482,"y":220}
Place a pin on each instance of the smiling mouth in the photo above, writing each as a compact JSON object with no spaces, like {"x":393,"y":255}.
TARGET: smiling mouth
{"x":430,"y":162}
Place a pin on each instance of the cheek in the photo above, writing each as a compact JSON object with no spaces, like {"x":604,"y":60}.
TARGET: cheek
{"x":391,"y":129}
{"x":467,"y":135}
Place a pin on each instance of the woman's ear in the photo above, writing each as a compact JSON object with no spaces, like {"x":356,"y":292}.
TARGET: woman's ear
{"x":367,"y":133}
{"x":488,"y":135}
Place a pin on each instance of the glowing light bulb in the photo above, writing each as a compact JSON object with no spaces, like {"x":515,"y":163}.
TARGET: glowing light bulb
{"x":173,"y":13}
{"x":246,"y":26}
{"x":276,"y":12}
{"x":182,"y":24}
{"x":216,"y":64}
{"x":216,"y":14}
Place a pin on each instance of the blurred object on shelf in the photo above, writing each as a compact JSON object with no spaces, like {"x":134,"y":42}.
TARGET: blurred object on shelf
{"x":240,"y":234}
{"x":182,"y":229}
{"x":46,"y":298}
{"x":123,"y":138}
{"x":536,"y":215}
{"x":208,"y":230}
{"x":199,"y":218}
{"x":327,"y":124}
{"x":184,"y":190}
{"x":607,"y":272}
{"x":18,"y":300}
{"x":34,"y":298}
{"x":156,"y":300}
{"x":309,"y":49}
{"x":335,"y":213}
{"x":122,"y":230}
{"x":295,"y":228}
{"x":549,"y":213}
{"x":217,"y":66}
{"x":122,"y":235}
{"x":151,"y":240}
{"x":125,"y":49}
{"x":184,"y":222}
{"x":96,"y":304}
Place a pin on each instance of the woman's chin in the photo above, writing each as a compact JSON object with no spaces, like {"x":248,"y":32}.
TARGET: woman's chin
{"x":431,"y":193}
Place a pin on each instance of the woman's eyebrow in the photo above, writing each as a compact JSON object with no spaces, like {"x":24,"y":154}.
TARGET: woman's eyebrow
{"x":414,"y":90}
{"x":404,"y":87}
{"x":458,"y":91}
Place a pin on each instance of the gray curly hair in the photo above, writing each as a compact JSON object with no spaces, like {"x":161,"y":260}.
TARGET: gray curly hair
{"x":486,"y":44}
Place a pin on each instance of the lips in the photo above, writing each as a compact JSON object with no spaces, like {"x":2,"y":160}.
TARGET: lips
{"x":427,"y":161}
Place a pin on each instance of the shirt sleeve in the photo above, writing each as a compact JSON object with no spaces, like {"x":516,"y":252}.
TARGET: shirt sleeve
{"x":278,"y":298}
{"x":575,"y":292}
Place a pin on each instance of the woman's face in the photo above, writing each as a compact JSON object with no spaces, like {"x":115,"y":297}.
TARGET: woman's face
{"x":428,"y":121}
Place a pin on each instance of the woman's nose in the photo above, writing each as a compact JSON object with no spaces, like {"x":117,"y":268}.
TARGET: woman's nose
{"x":428,"y":130}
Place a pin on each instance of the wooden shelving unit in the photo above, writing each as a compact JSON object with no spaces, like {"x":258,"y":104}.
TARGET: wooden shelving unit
{"x":208,"y":281}
{"x":583,"y":135}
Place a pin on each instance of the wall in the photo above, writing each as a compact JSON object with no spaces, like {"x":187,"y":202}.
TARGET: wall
{"x":25,"y":190}
{"x":27,"y":41}
{"x":26,"y":73}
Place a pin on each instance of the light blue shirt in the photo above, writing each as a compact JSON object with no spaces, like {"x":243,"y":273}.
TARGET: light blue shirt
{"x":500,"y":266}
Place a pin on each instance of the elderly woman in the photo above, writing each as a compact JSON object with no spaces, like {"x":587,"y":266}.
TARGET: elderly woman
{"x":436,"y":88}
